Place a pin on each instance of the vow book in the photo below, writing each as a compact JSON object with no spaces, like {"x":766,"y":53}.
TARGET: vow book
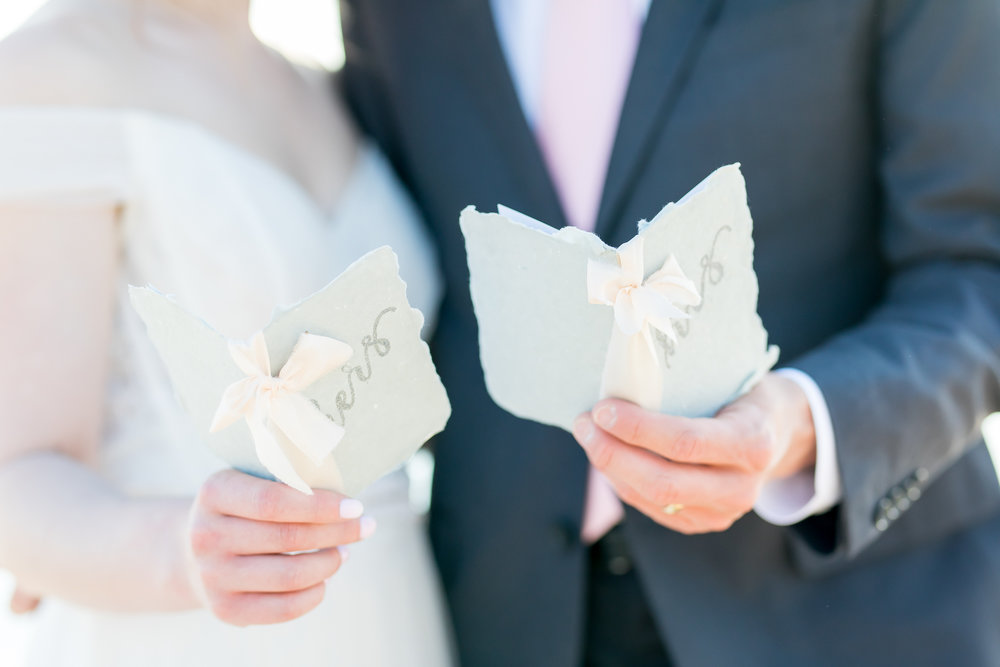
{"x":334,"y":392}
{"x":668,"y":320}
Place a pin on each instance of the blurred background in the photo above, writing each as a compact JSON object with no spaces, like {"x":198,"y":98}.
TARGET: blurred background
{"x":308,"y":32}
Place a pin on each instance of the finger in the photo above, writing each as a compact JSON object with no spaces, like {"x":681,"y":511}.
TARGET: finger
{"x":278,"y":573}
{"x":244,"y":609}
{"x":736,"y":440}
{"x":662,"y":482}
{"x":237,"y":494}
{"x":690,"y":520}
{"x":235,"y":535}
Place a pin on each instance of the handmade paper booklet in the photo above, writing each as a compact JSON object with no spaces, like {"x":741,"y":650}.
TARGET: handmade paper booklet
{"x":334,"y":392}
{"x":668,"y":320}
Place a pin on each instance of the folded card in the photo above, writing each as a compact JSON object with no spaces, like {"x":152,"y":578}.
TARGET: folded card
{"x":334,"y":392}
{"x":668,"y":320}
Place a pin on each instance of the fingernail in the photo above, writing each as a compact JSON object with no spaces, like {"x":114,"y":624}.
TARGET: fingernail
{"x":345,"y":554}
{"x":605,"y":416}
{"x":367,"y":527}
{"x":351,"y":508}
{"x":583,"y":431}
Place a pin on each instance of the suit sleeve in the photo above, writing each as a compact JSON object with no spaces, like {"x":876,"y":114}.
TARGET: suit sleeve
{"x":908,"y":388}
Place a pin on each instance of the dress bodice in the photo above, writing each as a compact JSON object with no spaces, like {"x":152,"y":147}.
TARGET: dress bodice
{"x":223,"y":231}
{"x":230,"y":237}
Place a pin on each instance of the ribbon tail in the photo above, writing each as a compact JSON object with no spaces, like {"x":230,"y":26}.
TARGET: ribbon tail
{"x":632,"y":370}
{"x":272,"y":457}
{"x":308,"y":429}
{"x":326,"y":468}
{"x":326,"y":465}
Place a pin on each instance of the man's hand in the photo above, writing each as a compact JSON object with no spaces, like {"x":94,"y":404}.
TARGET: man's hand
{"x":709,"y":471}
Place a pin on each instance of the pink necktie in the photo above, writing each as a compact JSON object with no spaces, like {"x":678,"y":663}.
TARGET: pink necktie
{"x":589,"y":50}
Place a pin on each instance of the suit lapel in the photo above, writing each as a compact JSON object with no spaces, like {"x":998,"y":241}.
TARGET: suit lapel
{"x":489,"y":79}
{"x":671,"y":38}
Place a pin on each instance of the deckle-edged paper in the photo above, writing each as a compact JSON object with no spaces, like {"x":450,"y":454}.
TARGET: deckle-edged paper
{"x":668,"y":320}
{"x":334,"y":392}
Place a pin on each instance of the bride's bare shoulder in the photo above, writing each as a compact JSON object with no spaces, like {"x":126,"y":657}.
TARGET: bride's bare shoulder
{"x":65,"y":56}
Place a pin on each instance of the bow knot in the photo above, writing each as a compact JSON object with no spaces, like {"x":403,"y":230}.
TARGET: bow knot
{"x":270,"y":385}
{"x":632,"y":367}
{"x":278,"y":415}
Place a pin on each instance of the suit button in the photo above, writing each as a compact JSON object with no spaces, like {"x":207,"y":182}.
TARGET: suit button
{"x":619,"y":564}
{"x":885,"y":512}
{"x":611,"y":553}
{"x":899,"y":498}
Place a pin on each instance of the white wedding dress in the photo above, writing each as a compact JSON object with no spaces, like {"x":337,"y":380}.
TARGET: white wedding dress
{"x":229,"y":236}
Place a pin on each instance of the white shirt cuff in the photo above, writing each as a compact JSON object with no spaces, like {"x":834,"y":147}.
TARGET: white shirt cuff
{"x":813,"y":491}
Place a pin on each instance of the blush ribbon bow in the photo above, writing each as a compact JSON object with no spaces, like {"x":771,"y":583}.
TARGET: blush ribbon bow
{"x":277,"y":414}
{"x":632,"y":369}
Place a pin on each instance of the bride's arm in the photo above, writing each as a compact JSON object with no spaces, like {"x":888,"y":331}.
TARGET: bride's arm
{"x":65,"y":533}
{"x":64,"y":530}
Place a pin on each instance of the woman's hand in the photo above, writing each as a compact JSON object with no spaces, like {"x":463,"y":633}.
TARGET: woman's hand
{"x":245,"y":538}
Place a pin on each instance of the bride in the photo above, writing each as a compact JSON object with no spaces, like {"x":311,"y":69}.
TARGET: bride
{"x":157,"y":141}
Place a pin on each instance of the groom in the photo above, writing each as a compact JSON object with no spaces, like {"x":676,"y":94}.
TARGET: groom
{"x":869,"y":136}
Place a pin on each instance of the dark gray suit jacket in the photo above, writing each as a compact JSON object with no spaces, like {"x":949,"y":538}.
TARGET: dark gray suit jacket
{"x":869,"y":134}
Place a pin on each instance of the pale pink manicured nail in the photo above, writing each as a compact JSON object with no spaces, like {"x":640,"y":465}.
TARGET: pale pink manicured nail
{"x":351,"y":508}
{"x":606,"y":416}
{"x":367,"y":527}
{"x":583,"y":431}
